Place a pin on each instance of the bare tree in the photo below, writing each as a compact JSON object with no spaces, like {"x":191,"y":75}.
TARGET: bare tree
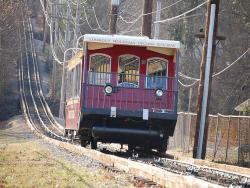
{"x":10,"y":17}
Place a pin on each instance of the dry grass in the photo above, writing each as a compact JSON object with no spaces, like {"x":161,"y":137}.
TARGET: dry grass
{"x":26,"y":165}
{"x":24,"y":162}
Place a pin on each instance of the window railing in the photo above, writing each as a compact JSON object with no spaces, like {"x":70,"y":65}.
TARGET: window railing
{"x":135,"y":93}
{"x":157,"y":82}
{"x":98,"y":78}
{"x":130,"y":80}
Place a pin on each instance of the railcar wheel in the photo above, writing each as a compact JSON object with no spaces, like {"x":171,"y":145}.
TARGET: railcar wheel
{"x":163,"y":147}
{"x":69,"y":135}
{"x":65,"y":133}
{"x":84,"y":143}
{"x":147,"y":149}
{"x":93,"y":144}
{"x":131,"y":147}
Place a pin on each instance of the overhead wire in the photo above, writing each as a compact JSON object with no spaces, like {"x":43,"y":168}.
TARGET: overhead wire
{"x":123,"y":19}
{"x":79,"y":3}
{"x":226,"y":68}
{"x":128,"y":7}
{"x":140,"y":16}
{"x":214,"y":75}
{"x":93,"y":29}
{"x":51,"y":30}
{"x":183,"y":14}
{"x":126,"y":31}
{"x":190,"y":85}
{"x":49,"y":23}
{"x":99,"y":26}
{"x":93,"y":8}
{"x":188,"y":77}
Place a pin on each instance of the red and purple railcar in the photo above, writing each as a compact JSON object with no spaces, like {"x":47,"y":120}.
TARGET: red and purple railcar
{"x":123,"y":89}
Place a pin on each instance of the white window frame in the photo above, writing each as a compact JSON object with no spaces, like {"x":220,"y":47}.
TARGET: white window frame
{"x":138,"y":70}
{"x":110,"y":64}
{"x":157,"y":58}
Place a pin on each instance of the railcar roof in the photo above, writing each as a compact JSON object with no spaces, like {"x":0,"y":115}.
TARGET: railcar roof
{"x":75,"y":60}
{"x":131,"y":41}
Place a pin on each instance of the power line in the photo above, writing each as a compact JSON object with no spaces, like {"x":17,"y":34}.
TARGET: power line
{"x":190,"y":85}
{"x":188,"y":77}
{"x":79,"y":4}
{"x":86,"y":17}
{"x":216,"y":74}
{"x":93,"y":8}
{"x":183,"y":14}
{"x":140,"y":16}
{"x":123,"y":19}
{"x":48,"y":20}
{"x":220,"y":72}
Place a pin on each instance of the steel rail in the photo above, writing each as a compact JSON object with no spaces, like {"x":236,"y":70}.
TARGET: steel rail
{"x":209,"y":174}
{"x":37,"y":82}
{"x":42,"y":109}
{"x":36,"y":119}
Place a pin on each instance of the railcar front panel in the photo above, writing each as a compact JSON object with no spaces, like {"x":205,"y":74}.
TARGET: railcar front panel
{"x":130,"y":100}
{"x":137,"y":91}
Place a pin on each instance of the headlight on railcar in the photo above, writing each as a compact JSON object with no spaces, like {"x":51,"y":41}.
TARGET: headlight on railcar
{"x":159,"y":92}
{"x":108,"y":89}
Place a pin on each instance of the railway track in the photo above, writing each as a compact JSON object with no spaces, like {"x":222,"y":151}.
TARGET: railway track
{"x":209,"y":174}
{"x":42,"y":120}
{"x":35,"y":105}
{"x":213,"y":175}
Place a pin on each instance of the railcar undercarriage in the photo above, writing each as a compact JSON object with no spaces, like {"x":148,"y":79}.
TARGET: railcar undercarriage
{"x":137,"y":133}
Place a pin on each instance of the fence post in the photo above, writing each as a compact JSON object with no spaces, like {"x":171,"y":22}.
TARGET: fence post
{"x":189,"y":130}
{"x":228,"y":132}
{"x":216,"y":137}
{"x":180,"y":132}
{"x":238,"y":140}
{"x":184,"y":130}
{"x":249,"y":142}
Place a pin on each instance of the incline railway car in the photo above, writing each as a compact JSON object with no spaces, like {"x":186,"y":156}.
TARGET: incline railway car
{"x":123,"y":89}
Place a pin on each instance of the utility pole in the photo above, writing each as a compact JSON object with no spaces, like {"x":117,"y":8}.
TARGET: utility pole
{"x":0,"y":53}
{"x":77,"y":21}
{"x":57,"y":8}
{"x":63,"y":88}
{"x":67,"y":29}
{"x":206,"y":71}
{"x":158,"y":18}
{"x":0,"y":44}
{"x":147,"y":18}
{"x":54,"y":25}
{"x":45,"y":28}
{"x":113,"y":16}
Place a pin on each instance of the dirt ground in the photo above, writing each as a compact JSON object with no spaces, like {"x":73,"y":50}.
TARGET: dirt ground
{"x":26,"y":161}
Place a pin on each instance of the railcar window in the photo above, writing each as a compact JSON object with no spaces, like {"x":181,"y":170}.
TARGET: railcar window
{"x":76,"y":80}
{"x":71,"y":93}
{"x":128,"y":71}
{"x":74,"y":83}
{"x":99,"y":69}
{"x":157,"y":72}
{"x":69,"y":86}
{"x":78,"y":76}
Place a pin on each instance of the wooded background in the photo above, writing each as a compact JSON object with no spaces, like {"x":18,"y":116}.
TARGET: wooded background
{"x":10,"y":15}
{"x":228,"y":89}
